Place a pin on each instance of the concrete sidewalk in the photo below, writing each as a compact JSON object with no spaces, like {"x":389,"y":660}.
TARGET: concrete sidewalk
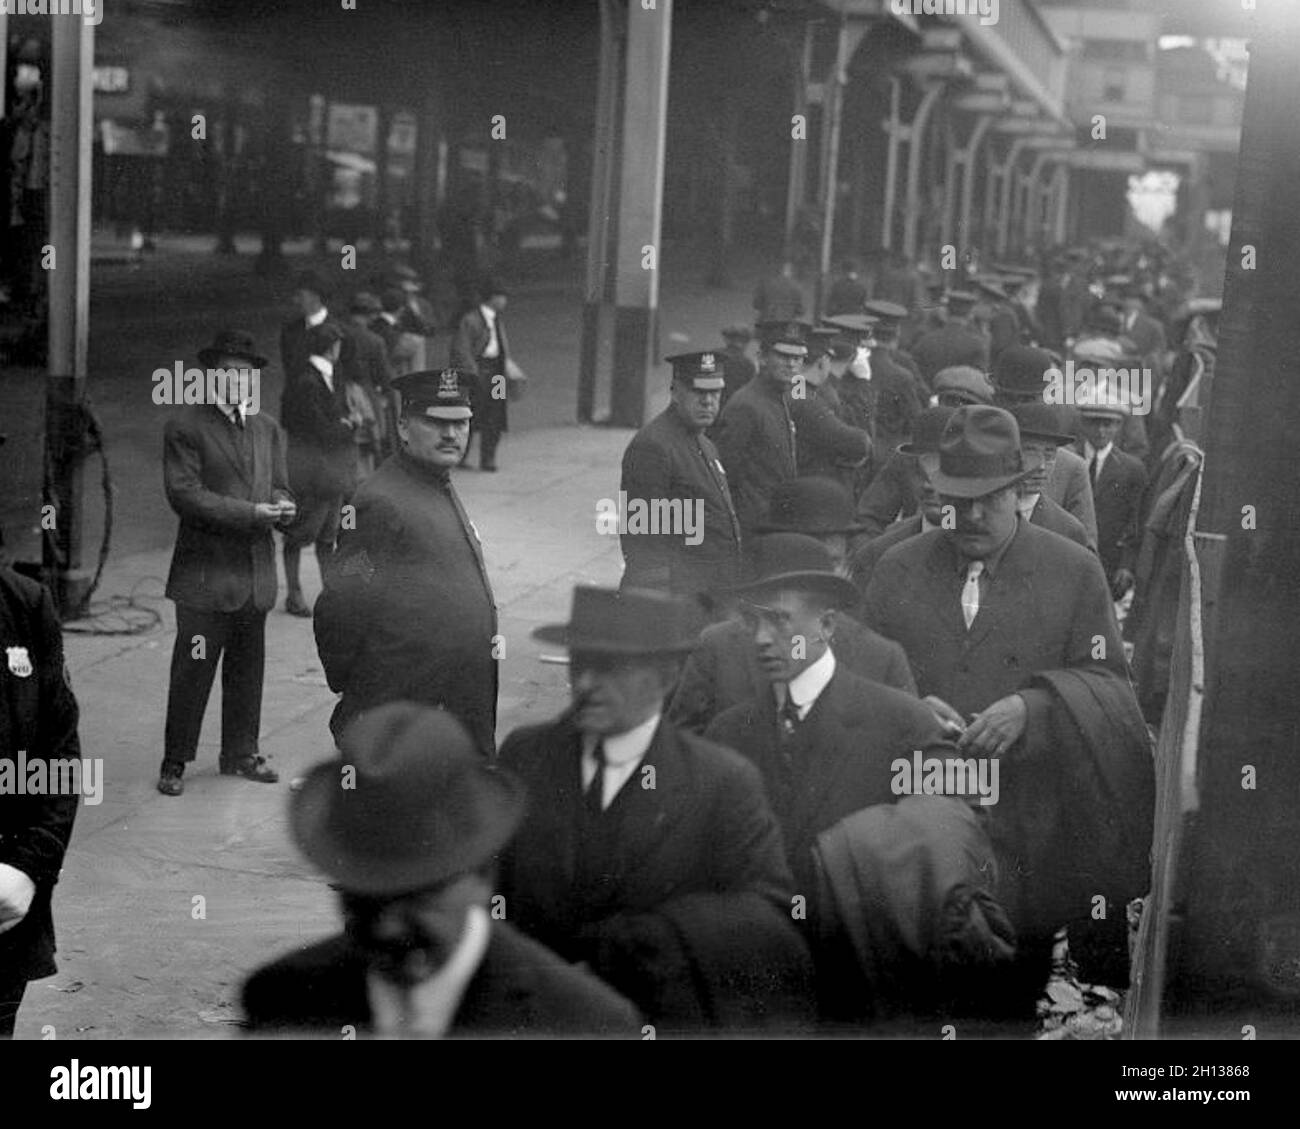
{"x":166,"y":904}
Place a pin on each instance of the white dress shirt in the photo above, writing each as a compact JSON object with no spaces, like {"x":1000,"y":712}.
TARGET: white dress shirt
{"x":493,"y":348}
{"x":323,"y":366}
{"x":806,"y":687}
{"x":428,"y":1009}
{"x":623,"y":752}
{"x":1026,"y":505}
{"x":318,"y":318}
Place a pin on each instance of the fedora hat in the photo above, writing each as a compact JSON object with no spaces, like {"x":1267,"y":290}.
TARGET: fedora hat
{"x":813,"y":505}
{"x":927,"y":431}
{"x":231,"y":343}
{"x":420,"y":806}
{"x":795,"y":560}
{"x":627,"y":621}
{"x":1037,"y":420}
{"x":979,"y":453}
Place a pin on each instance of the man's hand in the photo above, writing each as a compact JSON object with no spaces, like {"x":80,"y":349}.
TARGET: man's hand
{"x":267,"y":513}
{"x":994,"y":731}
{"x":951,"y":721}
{"x":16,"y":893}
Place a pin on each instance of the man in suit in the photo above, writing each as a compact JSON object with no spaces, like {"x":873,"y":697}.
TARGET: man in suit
{"x":1118,"y":480}
{"x":957,"y":342}
{"x":1014,"y":644}
{"x":226,"y":477}
{"x":38,"y":719}
{"x":724,"y":668}
{"x":738,"y":368}
{"x":410,"y":849}
{"x":648,"y":853}
{"x":900,"y":491}
{"x":755,"y":435}
{"x":824,"y":739}
{"x":1021,"y":375}
{"x":480,"y":348}
{"x":310,"y":295}
{"x":322,"y":456}
{"x":1039,"y":444}
{"x":671,"y":461}
{"x":408,"y":612}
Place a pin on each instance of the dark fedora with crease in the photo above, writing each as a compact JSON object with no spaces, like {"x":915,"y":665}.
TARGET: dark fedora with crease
{"x":927,"y":431}
{"x":979,"y":453}
{"x":626,"y":621}
{"x":1037,"y":420}
{"x":420,"y":806}
{"x":813,"y":505}
{"x":231,"y":343}
{"x":795,"y":560}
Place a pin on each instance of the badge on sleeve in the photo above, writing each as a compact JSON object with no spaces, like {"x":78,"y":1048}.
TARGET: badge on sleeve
{"x":20,"y":662}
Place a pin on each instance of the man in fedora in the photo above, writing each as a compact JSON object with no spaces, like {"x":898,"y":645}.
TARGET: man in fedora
{"x":226,"y":477}
{"x":670,"y":463}
{"x":1039,"y":444}
{"x":408,"y":612}
{"x":823,"y":738}
{"x":1020,"y":376}
{"x":648,"y":853}
{"x":406,"y":823}
{"x":1014,"y":644}
{"x":901,"y":485}
{"x":724,"y":669}
{"x":755,"y":435}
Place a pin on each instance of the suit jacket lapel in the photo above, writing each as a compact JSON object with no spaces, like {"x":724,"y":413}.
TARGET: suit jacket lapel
{"x":1007,"y":589}
{"x":648,"y":813}
{"x":946,"y":583}
{"x":826,"y":758}
{"x":222,"y":433}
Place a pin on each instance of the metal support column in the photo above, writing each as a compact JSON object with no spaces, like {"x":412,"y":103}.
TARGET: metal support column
{"x":915,"y":150}
{"x":1009,"y":178}
{"x":965,"y":158}
{"x":71,"y":122}
{"x":896,"y":130}
{"x":645,"y":106}
{"x":797,"y":186}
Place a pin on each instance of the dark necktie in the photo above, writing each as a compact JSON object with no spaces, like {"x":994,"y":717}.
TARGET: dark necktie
{"x":1092,"y":469}
{"x":594,"y":798}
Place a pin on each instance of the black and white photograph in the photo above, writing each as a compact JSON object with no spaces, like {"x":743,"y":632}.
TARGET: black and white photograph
{"x":681,"y":521}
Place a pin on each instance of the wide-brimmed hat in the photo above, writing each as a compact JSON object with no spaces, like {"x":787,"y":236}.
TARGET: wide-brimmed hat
{"x":1039,"y":421}
{"x":627,"y":621}
{"x":927,"y":431}
{"x":1020,"y":370}
{"x":964,"y":381}
{"x":407,"y":804}
{"x":231,"y":343}
{"x":795,"y":560}
{"x":979,"y":453}
{"x":816,"y":506}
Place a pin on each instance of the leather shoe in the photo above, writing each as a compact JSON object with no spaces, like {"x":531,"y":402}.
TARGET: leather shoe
{"x":251,"y":768}
{"x":296,"y":605}
{"x":170,"y":782}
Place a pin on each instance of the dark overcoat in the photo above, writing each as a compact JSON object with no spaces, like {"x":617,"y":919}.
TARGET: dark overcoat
{"x":322,"y":456}
{"x":756,"y":441}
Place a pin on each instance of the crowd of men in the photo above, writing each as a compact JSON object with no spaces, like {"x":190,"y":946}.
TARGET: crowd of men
{"x":863,"y":743}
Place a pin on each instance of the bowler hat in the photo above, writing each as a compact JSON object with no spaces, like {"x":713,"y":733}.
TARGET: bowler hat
{"x":231,"y":343}
{"x":979,"y":453}
{"x":795,"y":560}
{"x":965,"y":382}
{"x":927,"y":431}
{"x":1020,"y":370}
{"x":437,"y":393}
{"x":627,"y":621}
{"x":1039,"y":421}
{"x":813,"y":505}
{"x":408,"y":804}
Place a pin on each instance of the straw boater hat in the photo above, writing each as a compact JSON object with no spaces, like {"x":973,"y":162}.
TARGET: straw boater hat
{"x":628,"y":621}
{"x":423,"y":807}
{"x":979,"y":453}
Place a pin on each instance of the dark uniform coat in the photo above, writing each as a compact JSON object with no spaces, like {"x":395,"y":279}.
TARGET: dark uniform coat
{"x":738,"y":369}
{"x":690,"y":890}
{"x":408,"y":613}
{"x":38,"y":716}
{"x":215,"y":474}
{"x":841,"y":755}
{"x":756,"y":441}
{"x":723,"y":670}
{"x":828,"y":447}
{"x":520,"y":989}
{"x":956,"y":342}
{"x":667,"y":461}
{"x":898,"y":400}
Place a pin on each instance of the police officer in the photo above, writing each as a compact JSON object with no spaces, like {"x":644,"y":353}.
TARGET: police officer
{"x":408,"y":613}
{"x":672,"y":461}
{"x":957,"y":342}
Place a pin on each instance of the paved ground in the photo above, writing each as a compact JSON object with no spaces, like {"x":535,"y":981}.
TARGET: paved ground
{"x":140,"y":955}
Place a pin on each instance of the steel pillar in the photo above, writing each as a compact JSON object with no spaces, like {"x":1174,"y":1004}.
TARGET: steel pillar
{"x":915,"y":150}
{"x":897,"y":131}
